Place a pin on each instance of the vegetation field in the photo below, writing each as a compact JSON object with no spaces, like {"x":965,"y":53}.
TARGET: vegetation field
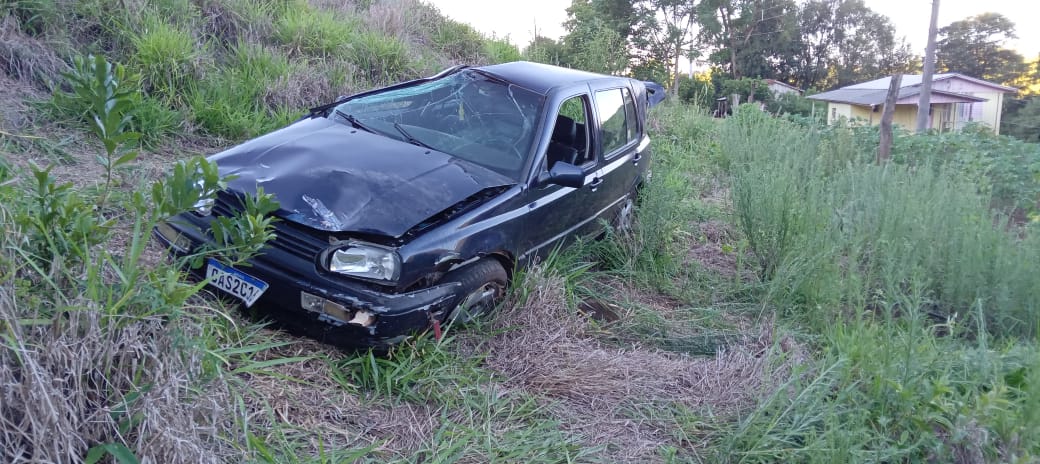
{"x":782,"y":298}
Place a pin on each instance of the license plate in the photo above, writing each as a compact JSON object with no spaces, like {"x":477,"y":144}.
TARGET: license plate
{"x":234,"y":282}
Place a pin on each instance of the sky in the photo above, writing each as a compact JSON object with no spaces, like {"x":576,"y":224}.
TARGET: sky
{"x":518,"y":19}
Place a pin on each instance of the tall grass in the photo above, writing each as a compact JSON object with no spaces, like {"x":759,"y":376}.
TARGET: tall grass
{"x":167,"y":57}
{"x":830,"y":230}
{"x":315,"y":32}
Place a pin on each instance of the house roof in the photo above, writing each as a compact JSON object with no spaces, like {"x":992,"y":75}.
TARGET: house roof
{"x":867,"y":97}
{"x":910,"y":80}
{"x":782,"y":84}
{"x":874,"y":92}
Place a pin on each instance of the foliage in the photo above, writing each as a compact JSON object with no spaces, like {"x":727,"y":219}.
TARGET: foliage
{"x":831,"y":229}
{"x":1024,"y":122}
{"x":109,"y":95}
{"x":975,"y":46}
{"x":167,"y":57}
{"x":746,"y":88}
{"x":793,"y":103}
{"x":313,"y":32}
{"x":501,"y":50}
{"x":751,"y":38}
{"x":844,"y":42}
{"x":382,"y":58}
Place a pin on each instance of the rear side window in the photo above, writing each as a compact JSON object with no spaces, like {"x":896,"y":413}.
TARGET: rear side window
{"x":617,"y":110}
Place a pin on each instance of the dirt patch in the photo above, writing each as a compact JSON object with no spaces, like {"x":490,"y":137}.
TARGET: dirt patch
{"x":713,"y":249}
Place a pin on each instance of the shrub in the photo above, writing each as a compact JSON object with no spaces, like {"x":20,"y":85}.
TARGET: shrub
{"x":500,"y":51}
{"x":459,"y":41}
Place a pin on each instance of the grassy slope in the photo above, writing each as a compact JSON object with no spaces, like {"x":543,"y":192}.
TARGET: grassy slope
{"x":722,"y":349}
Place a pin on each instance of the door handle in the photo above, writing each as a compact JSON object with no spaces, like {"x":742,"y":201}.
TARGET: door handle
{"x":635,"y":159}
{"x":595,"y":183}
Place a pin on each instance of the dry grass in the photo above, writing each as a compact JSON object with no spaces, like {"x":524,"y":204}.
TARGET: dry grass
{"x":26,"y":58}
{"x":71,"y":384}
{"x":548,"y":350}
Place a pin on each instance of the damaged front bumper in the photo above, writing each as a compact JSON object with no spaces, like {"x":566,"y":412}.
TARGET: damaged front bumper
{"x":330,"y":310}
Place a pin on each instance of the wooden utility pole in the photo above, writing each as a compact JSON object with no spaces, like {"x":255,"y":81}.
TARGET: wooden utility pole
{"x":885,"y":147}
{"x":924,"y":103}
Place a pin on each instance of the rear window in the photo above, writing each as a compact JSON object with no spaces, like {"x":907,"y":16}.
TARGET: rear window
{"x":620,"y":124}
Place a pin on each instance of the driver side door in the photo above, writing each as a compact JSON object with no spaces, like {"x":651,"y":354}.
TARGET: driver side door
{"x":557,"y":215}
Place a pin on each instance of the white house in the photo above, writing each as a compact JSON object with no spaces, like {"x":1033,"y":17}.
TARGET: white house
{"x":955,"y":101}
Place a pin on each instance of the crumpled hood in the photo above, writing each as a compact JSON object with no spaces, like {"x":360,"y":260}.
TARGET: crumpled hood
{"x":329,"y":176}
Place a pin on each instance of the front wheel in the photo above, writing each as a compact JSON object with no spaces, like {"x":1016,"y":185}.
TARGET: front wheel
{"x":483,"y":287}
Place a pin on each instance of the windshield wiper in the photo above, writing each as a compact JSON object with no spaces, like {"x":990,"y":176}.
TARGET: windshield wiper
{"x":354,"y":122}
{"x":409,"y":138}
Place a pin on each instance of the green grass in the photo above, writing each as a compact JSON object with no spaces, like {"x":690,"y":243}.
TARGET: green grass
{"x":883,"y":314}
{"x":313,"y":32}
{"x":167,"y":58}
{"x":830,"y":230}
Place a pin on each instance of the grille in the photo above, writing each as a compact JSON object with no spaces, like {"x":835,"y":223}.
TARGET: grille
{"x":289,"y":237}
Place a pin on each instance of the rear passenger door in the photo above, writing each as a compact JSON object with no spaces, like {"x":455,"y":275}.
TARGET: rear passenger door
{"x":619,"y":136}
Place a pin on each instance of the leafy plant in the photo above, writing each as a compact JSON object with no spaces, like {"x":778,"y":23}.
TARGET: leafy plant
{"x":109,"y":95}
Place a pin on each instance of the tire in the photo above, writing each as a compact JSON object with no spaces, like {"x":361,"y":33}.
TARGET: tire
{"x":483,"y":287}
{"x":625,"y":217}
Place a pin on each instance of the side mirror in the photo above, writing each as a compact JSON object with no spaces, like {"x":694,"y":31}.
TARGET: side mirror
{"x":566,"y":175}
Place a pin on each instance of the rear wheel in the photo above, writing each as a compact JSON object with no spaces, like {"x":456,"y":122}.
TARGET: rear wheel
{"x":483,"y":287}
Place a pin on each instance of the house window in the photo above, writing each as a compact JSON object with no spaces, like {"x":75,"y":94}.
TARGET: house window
{"x":834,"y":114}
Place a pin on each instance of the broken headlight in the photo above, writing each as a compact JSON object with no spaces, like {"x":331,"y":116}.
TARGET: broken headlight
{"x":365,"y":261}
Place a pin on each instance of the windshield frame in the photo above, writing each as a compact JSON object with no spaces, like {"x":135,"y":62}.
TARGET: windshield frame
{"x":523,"y":117}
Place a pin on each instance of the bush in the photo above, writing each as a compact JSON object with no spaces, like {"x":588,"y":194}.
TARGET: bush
{"x":500,"y":51}
{"x":459,"y":41}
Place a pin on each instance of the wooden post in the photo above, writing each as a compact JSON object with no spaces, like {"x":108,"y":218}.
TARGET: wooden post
{"x":924,"y":101}
{"x":885,"y":147}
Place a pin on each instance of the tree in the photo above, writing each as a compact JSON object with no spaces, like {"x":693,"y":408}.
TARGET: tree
{"x":1024,"y":123}
{"x":844,"y":42}
{"x":545,"y":50}
{"x":754,"y":38}
{"x":975,"y":46}
{"x":664,"y":33}
{"x":593,"y":41}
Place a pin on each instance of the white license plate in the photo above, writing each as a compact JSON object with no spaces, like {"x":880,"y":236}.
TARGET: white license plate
{"x":234,"y":282}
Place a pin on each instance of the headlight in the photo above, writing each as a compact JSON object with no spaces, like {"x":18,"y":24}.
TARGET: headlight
{"x":365,"y":261}
{"x":204,"y":206}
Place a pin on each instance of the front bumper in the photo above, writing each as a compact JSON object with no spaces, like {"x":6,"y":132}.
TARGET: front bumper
{"x":396,"y":315}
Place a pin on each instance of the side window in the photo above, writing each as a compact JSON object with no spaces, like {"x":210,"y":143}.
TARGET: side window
{"x":618,"y":115}
{"x":570,"y":139}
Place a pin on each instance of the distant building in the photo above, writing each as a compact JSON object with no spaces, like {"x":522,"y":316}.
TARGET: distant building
{"x":778,"y":87}
{"x":956,"y":100}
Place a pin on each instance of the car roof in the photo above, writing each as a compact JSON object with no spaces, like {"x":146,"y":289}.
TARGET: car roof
{"x":543,"y":78}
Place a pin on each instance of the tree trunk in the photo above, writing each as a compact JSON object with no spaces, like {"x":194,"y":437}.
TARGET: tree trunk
{"x":924,"y":103}
{"x":885,"y":147}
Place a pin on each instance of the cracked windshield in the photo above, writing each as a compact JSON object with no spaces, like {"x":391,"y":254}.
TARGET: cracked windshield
{"x":469,"y":115}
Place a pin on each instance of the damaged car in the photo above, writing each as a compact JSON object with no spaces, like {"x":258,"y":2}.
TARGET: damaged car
{"x":410,"y":206}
